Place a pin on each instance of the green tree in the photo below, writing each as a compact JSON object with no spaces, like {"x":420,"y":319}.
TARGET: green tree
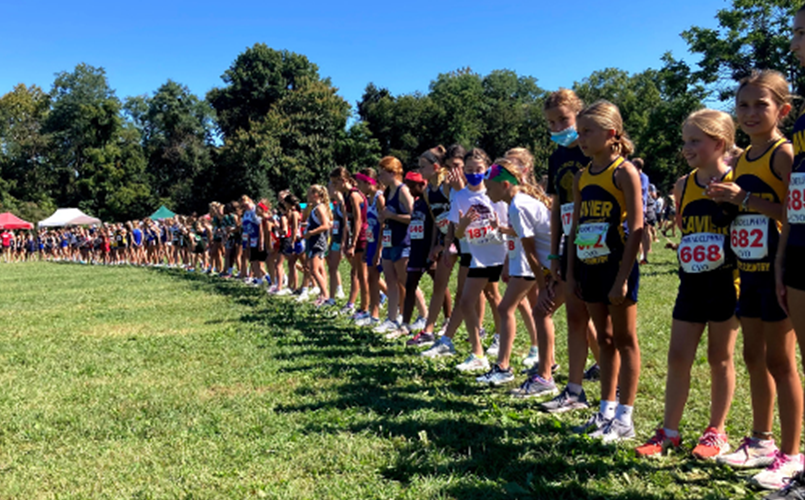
{"x":752,"y":34}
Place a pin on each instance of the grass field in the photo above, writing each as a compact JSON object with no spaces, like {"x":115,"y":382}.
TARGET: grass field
{"x":142,"y":383}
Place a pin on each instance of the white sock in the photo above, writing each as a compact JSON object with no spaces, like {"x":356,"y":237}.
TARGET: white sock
{"x":669,"y":433}
{"x":624,"y":414}
{"x":608,"y":409}
{"x":574,"y":388}
{"x":795,"y":458}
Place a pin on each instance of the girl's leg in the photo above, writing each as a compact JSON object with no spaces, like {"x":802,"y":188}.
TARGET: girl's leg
{"x":473,"y":288}
{"x":685,"y":337}
{"x":374,"y":292}
{"x":360,"y":273}
{"x":609,"y":358}
{"x":354,"y":284}
{"x":624,"y":331}
{"x":720,"y":349}
{"x":333,"y":261}
{"x":447,"y":301}
{"x":516,"y":291}
{"x":441,"y":290}
{"x":320,"y":276}
{"x":458,"y":313}
{"x":393,"y":289}
{"x":762,"y":387}
{"x":401,"y":268}
{"x":781,"y":361}
{"x":411,"y":284}
{"x":546,"y":339}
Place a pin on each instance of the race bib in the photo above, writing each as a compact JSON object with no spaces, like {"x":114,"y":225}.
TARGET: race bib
{"x":387,"y":238}
{"x":510,"y":244}
{"x":442,"y":222}
{"x":591,"y":240}
{"x":749,"y":237}
{"x":481,"y":233}
{"x":701,"y":252}
{"x":416,"y":229}
{"x":253,"y":242}
{"x":336,"y":227}
{"x":567,"y":217}
{"x":796,"y":198}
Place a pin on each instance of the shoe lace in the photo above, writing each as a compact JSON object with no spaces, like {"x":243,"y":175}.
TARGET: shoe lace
{"x":779,"y":461}
{"x":658,"y":437}
{"x":711,"y":439}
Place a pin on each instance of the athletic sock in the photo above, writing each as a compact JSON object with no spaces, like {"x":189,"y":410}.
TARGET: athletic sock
{"x":624,"y":414}
{"x":574,"y":389}
{"x":608,"y":409}
{"x":669,"y":433}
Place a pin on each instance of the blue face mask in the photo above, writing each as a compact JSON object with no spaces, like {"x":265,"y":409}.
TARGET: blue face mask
{"x":474,"y":179}
{"x":566,"y":137}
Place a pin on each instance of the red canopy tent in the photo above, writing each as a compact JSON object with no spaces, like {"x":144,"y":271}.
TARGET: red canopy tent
{"x":10,"y":221}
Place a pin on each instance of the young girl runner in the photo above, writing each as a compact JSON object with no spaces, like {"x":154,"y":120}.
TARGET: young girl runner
{"x":565,"y":162}
{"x":528,"y":249}
{"x":367,"y":183}
{"x":477,"y":220}
{"x":337,"y":239}
{"x":318,"y":225}
{"x":395,"y":240}
{"x":355,"y":205}
{"x":769,"y":341}
{"x":443,"y":169}
{"x":603,"y":267}
{"x":707,"y":296}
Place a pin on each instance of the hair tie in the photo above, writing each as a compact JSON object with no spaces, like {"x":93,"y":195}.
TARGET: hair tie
{"x":365,"y":178}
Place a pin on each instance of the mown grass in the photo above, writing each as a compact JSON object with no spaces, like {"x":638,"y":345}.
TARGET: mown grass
{"x":140,"y":383}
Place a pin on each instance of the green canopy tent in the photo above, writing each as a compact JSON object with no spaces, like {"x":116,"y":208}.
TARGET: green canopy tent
{"x":162,"y":213}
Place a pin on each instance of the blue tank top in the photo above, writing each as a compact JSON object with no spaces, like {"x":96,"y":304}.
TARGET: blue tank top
{"x":399,"y":231}
{"x":373,"y":223}
{"x":796,"y":187}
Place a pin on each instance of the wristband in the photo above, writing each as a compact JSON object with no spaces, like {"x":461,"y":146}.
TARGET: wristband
{"x":745,"y":203}
{"x":553,"y":256}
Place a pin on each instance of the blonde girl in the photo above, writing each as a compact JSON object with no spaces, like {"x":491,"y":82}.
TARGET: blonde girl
{"x":319,"y":223}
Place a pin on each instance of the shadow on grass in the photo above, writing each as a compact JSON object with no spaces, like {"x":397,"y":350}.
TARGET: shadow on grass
{"x":478,"y":443}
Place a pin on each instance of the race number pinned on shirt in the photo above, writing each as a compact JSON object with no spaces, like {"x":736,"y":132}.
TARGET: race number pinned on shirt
{"x":510,"y":244}
{"x":442,"y":222}
{"x":796,"y":198}
{"x":591,"y":240}
{"x":567,"y":217}
{"x":387,"y":238}
{"x":336,"y":227}
{"x":416,"y":229}
{"x":701,"y":252}
{"x":481,"y":232}
{"x":749,"y":237}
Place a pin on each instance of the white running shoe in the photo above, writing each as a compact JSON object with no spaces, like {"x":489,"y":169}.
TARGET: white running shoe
{"x":386,"y":326}
{"x":339,"y":294}
{"x":751,"y":454}
{"x":780,"y":472}
{"x":284,"y":292}
{"x":532,"y":358}
{"x":496,"y":376}
{"x":419,"y":324}
{"x":494,"y":347}
{"x":474,"y":364}
{"x":402,"y":331}
{"x":614,"y":432}
{"x":443,"y":347}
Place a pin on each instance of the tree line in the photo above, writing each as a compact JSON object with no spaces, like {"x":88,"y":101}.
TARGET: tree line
{"x":275,"y":123}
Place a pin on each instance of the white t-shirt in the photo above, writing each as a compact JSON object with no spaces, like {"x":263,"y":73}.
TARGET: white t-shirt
{"x":486,"y":245}
{"x":529,"y":218}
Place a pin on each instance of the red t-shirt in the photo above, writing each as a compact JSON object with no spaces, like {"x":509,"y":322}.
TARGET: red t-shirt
{"x":6,"y":237}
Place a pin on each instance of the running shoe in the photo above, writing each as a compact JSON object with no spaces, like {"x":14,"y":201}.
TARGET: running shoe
{"x":473,"y":364}
{"x":535,"y":369}
{"x":284,"y":292}
{"x":593,"y":373}
{"x":614,"y":432}
{"x":383,"y":299}
{"x":305,"y":295}
{"x":566,"y":401}
{"x":339,"y":293}
{"x":481,"y":334}
{"x":441,"y":348}
{"x":386,"y":326}
{"x":319,"y":302}
{"x":711,"y":445}
{"x":535,"y":387}
{"x":272,"y":290}
{"x":421,"y":339}
{"x":496,"y":376}
{"x":347,"y":310}
{"x":400,"y":331}
{"x":752,"y":453}
{"x":777,"y":475}
{"x":443,"y":329}
{"x":359,"y":315}
{"x":658,"y":445}
{"x":532,"y":358}
{"x":593,"y":424}
{"x":419,"y":324}
{"x":329,"y":303}
{"x":494,"y":347}
{"x":794,"y":490}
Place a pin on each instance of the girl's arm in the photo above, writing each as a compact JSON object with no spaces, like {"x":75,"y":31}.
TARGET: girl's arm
{"x":295,"y":226}
{"x":678,"y":189}
{"x":572,"y":258}
{"x":355,"y":201}
{"x":556,"y":233}
{"x":629,"y":181}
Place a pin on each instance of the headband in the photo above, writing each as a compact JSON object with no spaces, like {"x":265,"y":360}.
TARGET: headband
{"x":499,"y":174}
{"x":366,"y":179}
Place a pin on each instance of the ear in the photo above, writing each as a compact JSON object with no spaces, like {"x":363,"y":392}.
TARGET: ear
{"x":785,"y":110}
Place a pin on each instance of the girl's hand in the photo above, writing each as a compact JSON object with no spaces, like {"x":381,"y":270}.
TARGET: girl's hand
{"x":434,"y":253}
{"x":505,"y":274}
{"x":728,"y":192}
{"x":350,"y":252}
{"x":618,"y":293}
{"x":466,"y":219}
{"x":556,"y":270}
{"x":545,"y":300}
{"x":446,"y":257}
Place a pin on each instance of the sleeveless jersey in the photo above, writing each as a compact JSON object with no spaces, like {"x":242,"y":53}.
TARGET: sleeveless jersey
{"x":601,"y":233}
{"x":753,"y":236}
{"x":563,"y":165}
{"x":395,"y":230}
{"x":796,"y":187}
{"x":362,"y":209}
{"x":439,"y":206}
{"x":373,"y":223}
{"x":338,"y":222}
{"x":317,"y":242}
{"x":705,"y":229}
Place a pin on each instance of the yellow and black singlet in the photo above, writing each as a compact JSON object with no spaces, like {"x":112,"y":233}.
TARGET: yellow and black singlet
{"x":754,"y":237}
{"x":601,"y":235}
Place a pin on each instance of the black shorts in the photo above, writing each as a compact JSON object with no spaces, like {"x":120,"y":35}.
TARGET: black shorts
{"x":464,"y":260}
{"x":256,"y":255}
{"x":794,"y":270}
{"x":759,"y":300}
{"x":526,"y":278}
{"x":706,"y":297}
{"x":491,"y":273}
{"x":596,"y":281}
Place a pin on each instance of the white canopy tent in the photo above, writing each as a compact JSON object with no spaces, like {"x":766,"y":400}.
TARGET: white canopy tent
{"x":69,"y":217}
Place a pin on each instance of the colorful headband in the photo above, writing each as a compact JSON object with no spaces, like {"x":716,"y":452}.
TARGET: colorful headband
{"x":366,"y":179}
{"x":263,"y":206}
{"x":499,"y":174}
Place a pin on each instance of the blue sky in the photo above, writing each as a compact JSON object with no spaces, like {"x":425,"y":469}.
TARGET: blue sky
{"x":400,"y":45}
